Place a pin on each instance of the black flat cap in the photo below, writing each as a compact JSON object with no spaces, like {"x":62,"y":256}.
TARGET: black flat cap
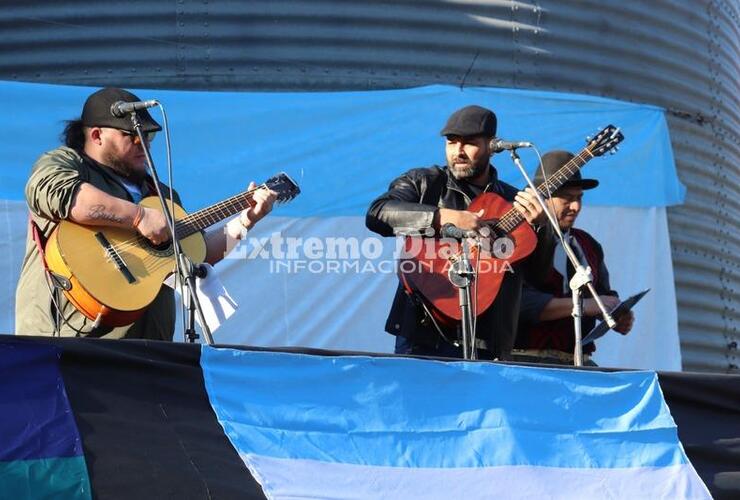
{"x":552,"y":161}
{"x":96,"y":111}
{"x":471,"y":120}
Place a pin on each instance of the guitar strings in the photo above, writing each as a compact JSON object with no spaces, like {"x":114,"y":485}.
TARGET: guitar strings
{"x":217,"y":212}
{"x":188,"y":222}
{"x":513,"y":217}
{"x":150,"y":262}
{"x":184,"y":227}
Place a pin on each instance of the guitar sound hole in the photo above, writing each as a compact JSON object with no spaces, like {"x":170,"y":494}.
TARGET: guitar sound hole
{"x":161,"y":250}
{"x":493,"y":231}
{"x":161,"y":247}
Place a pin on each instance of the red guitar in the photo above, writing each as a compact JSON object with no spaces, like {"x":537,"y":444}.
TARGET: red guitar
{"x":425,"y":264}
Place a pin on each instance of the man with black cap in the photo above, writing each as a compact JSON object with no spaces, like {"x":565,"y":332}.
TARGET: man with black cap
{"x":545,"y":324}
{"x":423,"y":200}
{"x":97,"y":178}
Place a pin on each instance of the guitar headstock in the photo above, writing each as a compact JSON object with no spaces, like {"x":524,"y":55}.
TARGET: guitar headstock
{"x":284,"y":186}
{"x":605,"y":141}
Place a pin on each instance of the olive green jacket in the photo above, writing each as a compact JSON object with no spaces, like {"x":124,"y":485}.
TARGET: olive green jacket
{"x":50,"y":191}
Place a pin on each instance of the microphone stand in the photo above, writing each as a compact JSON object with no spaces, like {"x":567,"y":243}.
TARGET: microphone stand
{"x":581,"y":278}
{"x":461,"y":275}
{"x":184,"y":267}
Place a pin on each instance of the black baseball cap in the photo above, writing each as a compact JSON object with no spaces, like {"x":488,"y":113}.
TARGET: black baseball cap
{"x":552,"y":161}
{"x":96,"y":111}
{"x":471,"y":120}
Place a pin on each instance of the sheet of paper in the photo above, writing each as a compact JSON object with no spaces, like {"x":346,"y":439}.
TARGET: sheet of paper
{"x":217,"y":304}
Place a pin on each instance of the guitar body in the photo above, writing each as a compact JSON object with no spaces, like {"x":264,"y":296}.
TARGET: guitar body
{"x":426,"y":262}
{"x":97,"y":287}
{"x":111,"y":275}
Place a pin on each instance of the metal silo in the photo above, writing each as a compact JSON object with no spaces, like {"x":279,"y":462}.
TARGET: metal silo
{"x":681,"y":55}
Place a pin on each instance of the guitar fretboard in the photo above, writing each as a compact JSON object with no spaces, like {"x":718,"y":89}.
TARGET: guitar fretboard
{"x":206,"y":217}
{"x":513,"y":217}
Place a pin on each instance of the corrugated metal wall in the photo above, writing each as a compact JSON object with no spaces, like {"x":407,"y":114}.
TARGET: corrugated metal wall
{"x":682,"y":55}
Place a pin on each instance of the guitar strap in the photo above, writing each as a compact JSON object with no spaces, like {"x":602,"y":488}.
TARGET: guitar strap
{"x":58,"y":282}
{"x":33,"y":228}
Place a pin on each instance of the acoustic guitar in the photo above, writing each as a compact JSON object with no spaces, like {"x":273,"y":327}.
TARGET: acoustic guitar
{"x":425,"y":263}
{"x":112,"y":274}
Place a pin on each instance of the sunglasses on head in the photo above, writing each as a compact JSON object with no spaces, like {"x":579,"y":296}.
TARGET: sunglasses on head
{"x":148,"y":136}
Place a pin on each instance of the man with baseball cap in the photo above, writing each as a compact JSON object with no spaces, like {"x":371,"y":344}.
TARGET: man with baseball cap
{"x":424,"y":200}
{"x":97,"y":179}
{"x":545,"y":323}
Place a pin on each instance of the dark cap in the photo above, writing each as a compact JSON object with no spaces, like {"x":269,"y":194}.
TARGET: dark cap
{"x":552,"y":162}
{"x":96,"y":112}
{"x":471,"y":120}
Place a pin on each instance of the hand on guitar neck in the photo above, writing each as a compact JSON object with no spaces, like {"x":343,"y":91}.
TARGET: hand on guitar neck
{"x":527,"y":205}
{"x":263,"y":199}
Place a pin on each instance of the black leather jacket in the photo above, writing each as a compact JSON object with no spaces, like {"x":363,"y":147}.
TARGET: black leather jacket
{"x":409,"y":204}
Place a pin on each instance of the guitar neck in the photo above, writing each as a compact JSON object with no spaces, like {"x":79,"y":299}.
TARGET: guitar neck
{"x":206,"y":217}
{"x":513,"y":217}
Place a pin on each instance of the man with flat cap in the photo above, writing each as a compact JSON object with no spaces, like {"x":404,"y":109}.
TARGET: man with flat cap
{"x":545,"y":324}
{"x":97,"y":179}
{"x":423,"y":200}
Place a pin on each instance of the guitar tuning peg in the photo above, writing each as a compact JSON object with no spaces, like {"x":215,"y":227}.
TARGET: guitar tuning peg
{"x":588,"y":138}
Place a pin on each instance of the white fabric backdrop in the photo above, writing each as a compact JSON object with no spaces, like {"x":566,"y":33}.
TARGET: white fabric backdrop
{"x":316,"y":306}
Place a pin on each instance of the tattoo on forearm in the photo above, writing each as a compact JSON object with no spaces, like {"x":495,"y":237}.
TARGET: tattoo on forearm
{"x":98,"y":212}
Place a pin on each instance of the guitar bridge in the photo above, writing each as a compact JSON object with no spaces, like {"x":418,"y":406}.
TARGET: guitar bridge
{"x":113,"y":254}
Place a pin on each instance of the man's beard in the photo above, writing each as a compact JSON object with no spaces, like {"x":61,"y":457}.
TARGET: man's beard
{"x":124,"y":168}
{"x":469,"y":171}
{"x":566,"y":222}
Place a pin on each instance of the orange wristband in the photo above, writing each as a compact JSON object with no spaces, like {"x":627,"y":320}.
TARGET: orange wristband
{"x":137,"y":218}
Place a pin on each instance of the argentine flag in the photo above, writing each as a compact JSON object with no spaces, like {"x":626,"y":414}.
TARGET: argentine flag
{"x":379,"y":427}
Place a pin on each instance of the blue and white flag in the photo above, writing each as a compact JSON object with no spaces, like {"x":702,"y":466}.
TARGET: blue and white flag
{"x":373,"y":427}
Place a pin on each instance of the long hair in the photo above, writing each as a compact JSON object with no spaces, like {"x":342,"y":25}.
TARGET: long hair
{"x":73,"y":135}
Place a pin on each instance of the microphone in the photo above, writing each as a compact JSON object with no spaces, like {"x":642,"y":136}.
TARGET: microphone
{"x":200,"y":271}
{"x":498,"y":145}
{"x":450,"y":230}
{"x":120,"y":109}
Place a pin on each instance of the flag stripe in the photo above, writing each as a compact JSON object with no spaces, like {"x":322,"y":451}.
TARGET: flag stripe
{"x":402,"y":412}
{"x":292,"y":478}
{"x":36,"y":419}
{"x":46,"y":478}
{"x":40,"y":446}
